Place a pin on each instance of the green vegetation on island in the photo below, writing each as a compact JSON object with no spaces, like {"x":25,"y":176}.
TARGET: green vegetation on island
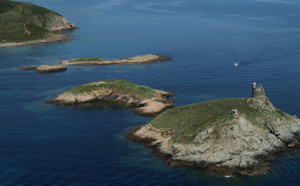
{"x":147,"y":58}
{"x":231,"y":135}
{"x":121,"y":86}
{"x":23,"y":21}
{"x":147,"y":101}
{"x":80,"y":59}
{"x":186,"y":122}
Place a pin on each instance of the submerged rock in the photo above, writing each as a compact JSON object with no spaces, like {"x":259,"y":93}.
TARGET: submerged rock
{"x":147,"y":100}
{"x":211,"y":135}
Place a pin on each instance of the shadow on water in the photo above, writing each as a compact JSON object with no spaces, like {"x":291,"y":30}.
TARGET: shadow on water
{"x":102,"y":105}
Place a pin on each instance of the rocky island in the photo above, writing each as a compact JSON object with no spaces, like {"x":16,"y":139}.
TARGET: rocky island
{"x":233,"y":135}
{"x":45,"y":68}
{"x":148,"y":58}
{"x":23,"y":23}
{"x":147,"y":101}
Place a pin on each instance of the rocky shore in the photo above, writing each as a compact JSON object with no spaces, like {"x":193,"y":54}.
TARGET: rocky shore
{"x":146,"y":101}
{"x":234,"y":135}
{"x":45,"y":68}
{"x":57,"y":38}
{"x":148,"y":58}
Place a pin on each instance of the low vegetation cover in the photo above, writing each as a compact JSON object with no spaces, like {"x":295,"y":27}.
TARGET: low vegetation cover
{"x":86,"y":59}
{"x":186,"y":122}
{"x":22,"y":21}
{"x":121,"y":86}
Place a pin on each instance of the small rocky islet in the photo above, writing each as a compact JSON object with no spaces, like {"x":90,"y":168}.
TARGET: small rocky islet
{"x":141,"y":59}
{"x":45,"y":68}
{"x":147,"y":101}
{"x":232,"y":135}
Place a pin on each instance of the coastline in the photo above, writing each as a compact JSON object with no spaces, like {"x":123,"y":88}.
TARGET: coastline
{"x":155,"y":144}
{"x":33,"y":42}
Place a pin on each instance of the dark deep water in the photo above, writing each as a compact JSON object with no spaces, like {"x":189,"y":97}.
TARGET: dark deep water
{"x":43,"y":144}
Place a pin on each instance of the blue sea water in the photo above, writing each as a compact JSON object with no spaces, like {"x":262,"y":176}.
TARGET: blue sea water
{"x":43,"y":144}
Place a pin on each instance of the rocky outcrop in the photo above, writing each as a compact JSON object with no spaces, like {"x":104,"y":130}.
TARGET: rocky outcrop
{"x":144,"y":106}
{"x":235,"y":145}
{"x":45,"y":68}
{"x":148,"y":58}
{"x":57,"y":23}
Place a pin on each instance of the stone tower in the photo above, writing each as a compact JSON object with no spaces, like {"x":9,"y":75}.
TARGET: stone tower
{"x":259,"y":91}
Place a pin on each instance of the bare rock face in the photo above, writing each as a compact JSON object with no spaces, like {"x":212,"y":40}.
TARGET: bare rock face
{"x":59,"y":23}
{"x":50,"y":68}
{"x":234,"y":146}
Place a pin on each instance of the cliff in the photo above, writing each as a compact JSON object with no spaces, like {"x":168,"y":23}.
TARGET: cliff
{"x":233,"y":135}
{"x":22,"y":22}
{"x":147,"y":101}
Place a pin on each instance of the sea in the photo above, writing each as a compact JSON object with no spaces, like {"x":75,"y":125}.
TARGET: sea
{"x":218,"y":49}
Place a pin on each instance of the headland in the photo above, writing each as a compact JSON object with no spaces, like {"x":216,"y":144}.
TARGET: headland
{"x":23,"y":23}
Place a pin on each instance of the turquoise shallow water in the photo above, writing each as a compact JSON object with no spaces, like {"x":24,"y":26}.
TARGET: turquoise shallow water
{"x":43,"y":144}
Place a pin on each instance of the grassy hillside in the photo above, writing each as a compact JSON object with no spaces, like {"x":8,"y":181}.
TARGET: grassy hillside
{"x":15,"y":16}
{"x":185,"y":122}
{"x":120,"y":86}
